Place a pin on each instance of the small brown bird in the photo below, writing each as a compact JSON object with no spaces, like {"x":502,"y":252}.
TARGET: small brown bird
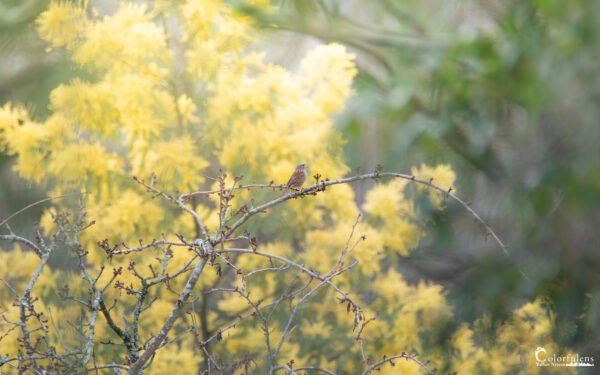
{"x":297,"y":179}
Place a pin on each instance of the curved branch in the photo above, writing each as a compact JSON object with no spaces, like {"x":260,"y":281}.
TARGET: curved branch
{"x":321,"y":186}
{"x":36,"y":203}
{"x":15,"y":238}
{"x":375,"y":366}
{"x":303,"y":368}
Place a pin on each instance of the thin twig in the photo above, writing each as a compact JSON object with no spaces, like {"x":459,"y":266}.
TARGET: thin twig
{"x":15,"y":238}
{"x":409,"y":357}
{"x":322,"y":185}
{"x":36,"y":203}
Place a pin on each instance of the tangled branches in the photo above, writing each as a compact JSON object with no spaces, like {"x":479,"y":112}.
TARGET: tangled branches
{"x":222,"y":244}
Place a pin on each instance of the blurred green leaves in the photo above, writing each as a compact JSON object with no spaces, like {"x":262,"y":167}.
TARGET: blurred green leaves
{"x":507,"y":92}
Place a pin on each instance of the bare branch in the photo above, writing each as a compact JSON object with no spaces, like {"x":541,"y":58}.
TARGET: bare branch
{"x":15,"y":238}
{"x":36,"y":203}
{"x":26,"y":304}
{"x":324,"y":279}
{"x":110,"y":365}
{"x":89,"y":344}
{"x":158,"y":340}
{"x":179,"y":202}
{"x":239,"y":187}
{"x":154,"y":243}
{"x":409,"y":357}
{"x":303,"y":368}
{"x":322,"y":185}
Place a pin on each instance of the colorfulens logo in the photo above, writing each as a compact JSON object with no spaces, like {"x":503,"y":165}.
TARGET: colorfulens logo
{"x":542,"y":358}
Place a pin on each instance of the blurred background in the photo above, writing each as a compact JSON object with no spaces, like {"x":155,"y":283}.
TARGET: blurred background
{"x":507,"y":92}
